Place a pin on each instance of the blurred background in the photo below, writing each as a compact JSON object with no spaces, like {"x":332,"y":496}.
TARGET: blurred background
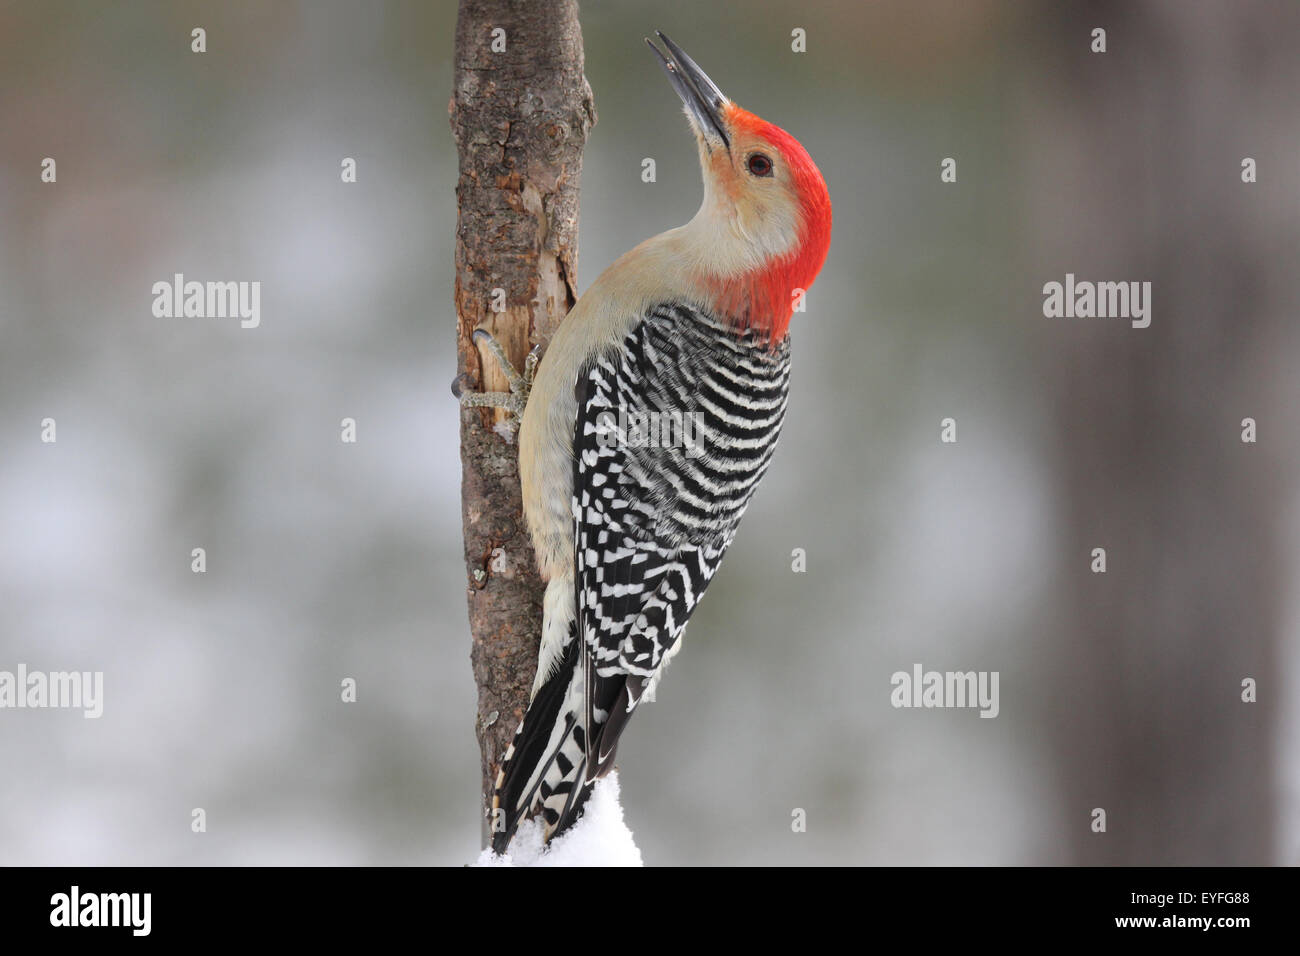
{"x":329,"y":560}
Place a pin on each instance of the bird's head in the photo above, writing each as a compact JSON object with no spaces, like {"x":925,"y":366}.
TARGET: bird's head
{"x":764,"y":228}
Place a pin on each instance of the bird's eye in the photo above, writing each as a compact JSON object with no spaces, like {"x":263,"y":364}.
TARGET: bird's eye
{"x":760,"y":165}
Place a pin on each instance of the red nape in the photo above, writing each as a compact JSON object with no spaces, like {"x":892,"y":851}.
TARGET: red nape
{"x":764,"y":299}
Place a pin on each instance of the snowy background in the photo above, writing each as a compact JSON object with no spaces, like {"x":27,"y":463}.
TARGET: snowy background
{"x":328,"y":560}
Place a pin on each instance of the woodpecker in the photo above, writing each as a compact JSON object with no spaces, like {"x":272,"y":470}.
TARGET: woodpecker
{"x":628,"y":534}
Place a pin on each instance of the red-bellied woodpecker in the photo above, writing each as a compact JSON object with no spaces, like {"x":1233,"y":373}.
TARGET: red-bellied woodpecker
{"x":650,"y":422}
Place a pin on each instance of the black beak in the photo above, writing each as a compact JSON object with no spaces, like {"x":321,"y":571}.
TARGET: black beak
{"x":700,"y":94}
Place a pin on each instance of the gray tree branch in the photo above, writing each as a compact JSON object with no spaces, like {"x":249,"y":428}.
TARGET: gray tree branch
{"x":520,"y":112}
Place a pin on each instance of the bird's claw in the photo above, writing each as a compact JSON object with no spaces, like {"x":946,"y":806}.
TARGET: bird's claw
{"x":460,"y":385}
{"x":513,"y":401}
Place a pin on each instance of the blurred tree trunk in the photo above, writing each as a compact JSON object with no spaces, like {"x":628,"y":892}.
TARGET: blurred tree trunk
{"x":1136,"y":175}
{"x":520,"y":113}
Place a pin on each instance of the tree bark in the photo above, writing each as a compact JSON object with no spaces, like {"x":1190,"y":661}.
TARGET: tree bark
{"x":520,"y":113}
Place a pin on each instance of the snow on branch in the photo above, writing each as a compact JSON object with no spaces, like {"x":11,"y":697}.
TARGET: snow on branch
{"x":599,"y":838}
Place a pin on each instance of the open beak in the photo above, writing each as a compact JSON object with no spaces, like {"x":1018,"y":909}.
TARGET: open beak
{"x":700,"y":94}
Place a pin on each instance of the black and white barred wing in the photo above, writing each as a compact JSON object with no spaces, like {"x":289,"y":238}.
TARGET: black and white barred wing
{"x":675,"y":429}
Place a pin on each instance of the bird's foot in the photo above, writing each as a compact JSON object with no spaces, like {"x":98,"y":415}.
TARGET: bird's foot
{"x":513,"y":401}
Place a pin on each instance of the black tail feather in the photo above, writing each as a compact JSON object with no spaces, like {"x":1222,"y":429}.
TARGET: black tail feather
{"x":519,"y":782}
